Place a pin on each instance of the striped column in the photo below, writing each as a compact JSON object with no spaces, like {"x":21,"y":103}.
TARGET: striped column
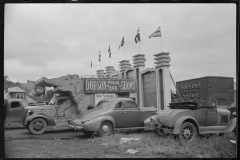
{"x":162,"y":59}
{"x":100,"y":73}
{"x":109,"y":70}
{"x":139,"y":61}
{"x":139,"y":65}
{"x":124,"y":65}
{"x":163,"y":79}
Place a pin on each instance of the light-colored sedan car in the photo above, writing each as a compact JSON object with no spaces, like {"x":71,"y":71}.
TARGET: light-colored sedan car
{"x":189,"y":119}
{"x":110,"y":115}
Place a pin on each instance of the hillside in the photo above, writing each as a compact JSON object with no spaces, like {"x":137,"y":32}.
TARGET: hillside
{"x":9,"y":84}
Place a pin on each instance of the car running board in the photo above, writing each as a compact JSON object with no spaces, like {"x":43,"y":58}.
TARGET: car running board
{"x":218,"y":129}
{"x":132,"y":128}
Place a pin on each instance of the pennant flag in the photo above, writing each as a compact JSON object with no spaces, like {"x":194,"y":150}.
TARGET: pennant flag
{"x":137,"y":37}
{"x":122,"y":43}
{"x":109,"y":50}
{"x":99,"y":59}
{"x":91,"y":63}
{"x":156,"y":33}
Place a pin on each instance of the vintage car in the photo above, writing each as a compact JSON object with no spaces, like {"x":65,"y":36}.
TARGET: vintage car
{"x":112,"y":114}
{"x":189,"y":119}
{"x":47,"y":117}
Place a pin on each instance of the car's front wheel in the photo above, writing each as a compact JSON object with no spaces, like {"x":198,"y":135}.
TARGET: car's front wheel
{"x":106,"y":128}
{"x":38,"y":126}
{"x":28,"y":127}
{"x":188,"y":132}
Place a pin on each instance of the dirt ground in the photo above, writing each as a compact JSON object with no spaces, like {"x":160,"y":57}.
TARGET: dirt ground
{"x":58,"y":143}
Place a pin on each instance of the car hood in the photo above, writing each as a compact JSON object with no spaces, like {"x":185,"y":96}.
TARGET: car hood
{"x":38,"y":107}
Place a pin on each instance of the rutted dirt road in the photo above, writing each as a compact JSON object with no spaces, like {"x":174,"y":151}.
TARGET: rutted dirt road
{"x":58,"y":143}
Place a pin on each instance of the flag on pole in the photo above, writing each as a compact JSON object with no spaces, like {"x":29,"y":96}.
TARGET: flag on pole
{"x":109,"y":50}
{"x":91,"y":63}
{"x":137,"y":37}
{"x":156,"y":33}
{"x":99,"y":58}
{"x":122,"y":43}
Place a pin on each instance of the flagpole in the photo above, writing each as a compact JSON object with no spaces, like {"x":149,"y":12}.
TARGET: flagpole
{"x":161,"y":41}
{"x":139,"y":39}
{"x":124,"y":51}
{"x":139,"y":47}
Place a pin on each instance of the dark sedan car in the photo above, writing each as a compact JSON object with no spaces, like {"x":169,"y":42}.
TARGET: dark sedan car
{"x":112,"y":114}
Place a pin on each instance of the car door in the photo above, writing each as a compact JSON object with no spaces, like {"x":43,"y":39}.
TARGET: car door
{"x":58,"y":112}
{"x":200,"y":115}
{"x":131,"y":114}
{"x":117,"y":114}
{"x":211,"y":119}
{"x":15,"y":113}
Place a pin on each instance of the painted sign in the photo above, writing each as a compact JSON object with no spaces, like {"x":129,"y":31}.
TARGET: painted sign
{"x":221,"y":88}
{"x":110,"y":85}
{"x":99,"y":97}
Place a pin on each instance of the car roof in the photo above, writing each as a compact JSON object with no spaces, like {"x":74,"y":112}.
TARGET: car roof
{"x":15,"y":100}
{"x":118,"y":98}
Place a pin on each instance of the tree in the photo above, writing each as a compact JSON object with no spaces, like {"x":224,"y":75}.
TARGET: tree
{"x":6,"y":78}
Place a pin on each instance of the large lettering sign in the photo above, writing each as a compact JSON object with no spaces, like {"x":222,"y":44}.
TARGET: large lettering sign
{"x":110,"y":85}
{"x":190,"y":90}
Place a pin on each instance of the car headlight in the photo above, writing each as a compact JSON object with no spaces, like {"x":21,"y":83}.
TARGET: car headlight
{"x":84,"y":121}
{"x":30,"y":112}
{"x":77,"y":122}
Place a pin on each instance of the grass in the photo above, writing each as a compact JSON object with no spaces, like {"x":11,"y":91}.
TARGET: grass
{"x":151,"y":145}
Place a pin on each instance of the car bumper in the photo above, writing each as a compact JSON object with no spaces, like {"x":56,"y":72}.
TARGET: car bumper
{"x":79,"y":128}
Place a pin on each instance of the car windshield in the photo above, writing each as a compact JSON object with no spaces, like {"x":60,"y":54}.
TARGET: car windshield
{"x":24,"y":103}
{"x":52,"y":101}
{"x":102,"y":104}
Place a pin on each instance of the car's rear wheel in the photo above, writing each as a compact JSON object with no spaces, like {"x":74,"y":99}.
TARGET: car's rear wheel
{"x":38,"y":126}
{"x":188,"y":132}
{"x":106,"y":128}
{"x":88,"y":133}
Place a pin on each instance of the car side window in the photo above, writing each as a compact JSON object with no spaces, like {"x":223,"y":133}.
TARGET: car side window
{"x":130,"y":105}
{"x":61,"y":101}
{"x":15,"y":105}
{"x":119,"y":105}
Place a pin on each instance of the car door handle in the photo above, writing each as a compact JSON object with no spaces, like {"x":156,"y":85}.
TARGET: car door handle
{"x":9,"y":110}
{"x":124,"y":112}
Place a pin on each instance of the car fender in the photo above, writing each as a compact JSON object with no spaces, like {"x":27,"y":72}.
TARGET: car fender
{"x":231,"y":125}
{"x":94,"y":123}
{"x":49,"y":120}
{"x":178,"y":123}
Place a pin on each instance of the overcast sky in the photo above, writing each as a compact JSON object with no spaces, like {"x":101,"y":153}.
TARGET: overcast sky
{"x":54,"y":40}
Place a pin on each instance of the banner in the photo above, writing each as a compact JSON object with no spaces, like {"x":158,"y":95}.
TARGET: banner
{"x":110,"y":85}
